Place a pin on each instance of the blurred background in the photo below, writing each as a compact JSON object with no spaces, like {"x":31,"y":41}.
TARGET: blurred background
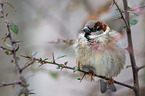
{"x":42,"y":22}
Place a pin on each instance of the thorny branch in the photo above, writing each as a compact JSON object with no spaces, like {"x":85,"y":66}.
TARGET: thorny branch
{"x":22,"y":82}
{"x":10,"y":38}
{"x":71,"y":68}
{"x":126,"y":20}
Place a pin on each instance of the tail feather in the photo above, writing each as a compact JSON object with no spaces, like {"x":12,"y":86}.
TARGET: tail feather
{"x":104,"y":86}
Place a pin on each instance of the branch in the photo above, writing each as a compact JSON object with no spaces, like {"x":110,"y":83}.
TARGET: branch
{"x":130,"y":46}
{"x":141,"y":67}
{"x":11,"y":83}
{"x":131,"y":52}
{"x":79,"y":70}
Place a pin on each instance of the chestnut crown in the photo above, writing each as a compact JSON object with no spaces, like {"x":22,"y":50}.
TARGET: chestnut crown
{"x":93,"y":26}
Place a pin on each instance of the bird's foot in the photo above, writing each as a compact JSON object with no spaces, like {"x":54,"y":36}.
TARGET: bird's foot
{"x":110,"y":82}
{"x":91,"y":75}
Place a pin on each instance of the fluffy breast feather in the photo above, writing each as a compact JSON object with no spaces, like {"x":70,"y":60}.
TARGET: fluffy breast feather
{"x":104,"y":53}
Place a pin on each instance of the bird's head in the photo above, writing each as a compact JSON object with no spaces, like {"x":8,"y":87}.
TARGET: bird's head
{"x":95,"y":28}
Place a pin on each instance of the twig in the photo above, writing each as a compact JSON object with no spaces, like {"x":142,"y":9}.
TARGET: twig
{"x":117,"y":18}
{"x":26,"y":66}
{"x":3,"y":48}
{"x":67,"y":42}
{"x":141,"y":67}
{"x":11,"y":83}
{"x":133,"y":9}
{"x":71,"y":68}
{"x":138,"y":7}
{"x":121,"y":14}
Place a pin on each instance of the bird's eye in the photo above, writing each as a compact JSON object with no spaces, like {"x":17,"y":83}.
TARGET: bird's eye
{"x":96,"y":28}
{"x":90,"y":28}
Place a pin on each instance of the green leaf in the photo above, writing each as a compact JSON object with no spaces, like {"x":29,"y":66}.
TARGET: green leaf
{"x":7,"y":44}
{"x":45,"y":59}
{"x":71,"y":40}
{"x":18,"y":58}
{"x":28,"y":85}
{"x":34,"y":54}
{"x":128,"y":66}
{"x":1,"y":16}
{"x":133,"y":22}
{"x":120,"y":9}
{"x":78,"y":78}
{"x":12,"y":61}
{"x":13,"y":27}
{"x":75,"y":70}
{"x":65,"y":63}
{"x":7,"y":52}
{"x":54,"y":74}
{"x":21,"y":93}
{"x":124,"y":27}
{"x":61,"y":56}
{"x":40,"y":59}
{"x":129,"y":7}
{"x":58,"y":67}
{"x":58,"y":40}
{"x":74,"y":66}
{"x":17,"y":49}
{"x":6,"y":14}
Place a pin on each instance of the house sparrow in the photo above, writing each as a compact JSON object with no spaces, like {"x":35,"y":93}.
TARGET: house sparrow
{"x":100,"y":51}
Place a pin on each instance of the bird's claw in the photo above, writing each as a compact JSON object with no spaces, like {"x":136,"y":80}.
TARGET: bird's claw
{"x":110,"y":82}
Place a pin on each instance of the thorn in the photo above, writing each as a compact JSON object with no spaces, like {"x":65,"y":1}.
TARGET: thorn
{"x":61,"y":69}
{"x":117,"y":18}
{"x":111,"y":5}
{"x":82,"y":77}
{"x":127,"y":49}
{"x":53,"y":57}
{"x":40,"y":65}
{"x":78,"y":67}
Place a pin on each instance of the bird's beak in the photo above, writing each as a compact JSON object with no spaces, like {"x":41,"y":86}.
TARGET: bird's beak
{"x":86,"y":30}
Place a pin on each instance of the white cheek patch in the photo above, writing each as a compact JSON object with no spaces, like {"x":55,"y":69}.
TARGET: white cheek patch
{"x":96,"y":34}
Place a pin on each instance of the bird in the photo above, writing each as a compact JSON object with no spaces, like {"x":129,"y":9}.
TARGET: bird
{"x":99,"y":51}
